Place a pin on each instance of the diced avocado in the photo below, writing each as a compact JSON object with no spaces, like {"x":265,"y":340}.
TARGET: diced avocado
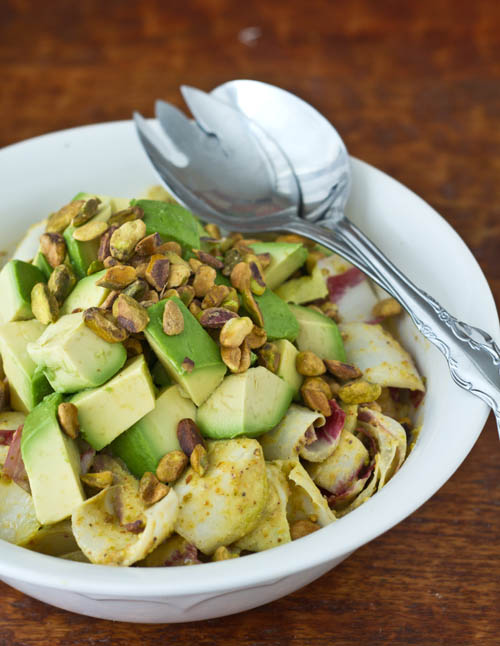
{"x":318,"y":334}
{"x":250,"y":403}
{"x":193,"y":343}
{"x":171,"y":221}
{"x":73,"y":357}
{"x":17,"y":279}
{"x":85,"y":294}
{"x":143,"y":445}
{"x":107,"y":411}
{"x":161,"y":378}
{"x":27,"y":385}
{"x":11,"y":420}
{"x":82,"y":254}
{"x":42,"y":263}
{"x":52,"y":463}
{"x":286,"y":367}
{"x":54,"y":540}
{"x":305,"y":289}
{"x":279,"y":321}
{"x":286,"y":258}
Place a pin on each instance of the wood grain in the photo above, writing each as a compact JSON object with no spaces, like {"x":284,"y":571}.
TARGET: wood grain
{"x":414,"y":88}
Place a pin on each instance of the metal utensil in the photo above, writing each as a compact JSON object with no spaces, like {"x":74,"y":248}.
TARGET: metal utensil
{"x":219,"y":168}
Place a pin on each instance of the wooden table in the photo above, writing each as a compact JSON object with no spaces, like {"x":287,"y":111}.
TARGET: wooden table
{"x":414,"y":88}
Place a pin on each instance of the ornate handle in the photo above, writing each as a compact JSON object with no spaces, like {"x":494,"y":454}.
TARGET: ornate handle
{"x":472,"y":354}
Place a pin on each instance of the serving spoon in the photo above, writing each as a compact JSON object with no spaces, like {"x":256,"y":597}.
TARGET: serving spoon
{"x":206,"y":163}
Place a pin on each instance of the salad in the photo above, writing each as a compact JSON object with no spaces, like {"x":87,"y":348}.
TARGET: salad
{"x":173,"y":395}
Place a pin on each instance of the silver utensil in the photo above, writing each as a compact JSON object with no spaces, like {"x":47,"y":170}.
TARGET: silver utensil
{"x":205,"y":164}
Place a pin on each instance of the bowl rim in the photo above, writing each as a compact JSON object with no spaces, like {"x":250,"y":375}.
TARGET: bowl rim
{"x":264,"y":568}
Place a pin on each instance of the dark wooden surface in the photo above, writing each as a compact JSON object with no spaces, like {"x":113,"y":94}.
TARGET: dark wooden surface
{"x":414,"y":88}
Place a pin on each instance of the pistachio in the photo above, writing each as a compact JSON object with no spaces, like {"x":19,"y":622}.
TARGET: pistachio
{"x":173,"y":320}
{"x":252,"y":307}
{"x":344,"y":371}
{"x":109,"y":261}
{"x":53,"y":247}
{"x":195,"y":264}
{"x":257,"y":283}
{"x":87,"y":212}
{"x":316,"y":395}
{"x":301,"y":528}
{"x":224,"y":245}
{"x":169,"y":293}
{"x":213,"y":230}
{"x":178,"y":276}
{"x":99,"y":480}
{"x":241,"y":276}
{"x":312,"y":260}
{"x":333,"y":384}
{"x":186,"y":294}
{"x":126,"y":215}
{"x":170,"y":247}
{"x":67,"y":415}
{"x":171,"y":466}
{"x":189,"y":435}
{"x":129,"y":314}
{"x":44,"y":304}
{"x":331,"y":310}
{"x":232,"y":257}
{"x":269,"y":357}
{"x":90,"y":231}
{"x":104,"y":248}
{"x":117,"y":277}
{"x":140,"y":269}
{"x":256,"y":338}
{"x":215,"y":296}
{"x":231,"y":302}
{"x":236,"y":359}
{"x":61,"y":282}
{"x":138,"y":289}
{"x":309,"y":364}
{"x":123,"y":241}
{"x":215,"y":317}
{"x":199,"y":459}
{"x":107,"y":304}
{"x":104,"y":324}
{"x":208,"y":259}
{"x":151,"y":489}
{"x":360,"y":392}
{"x":222,"y":553}
{"x":234,"y":331}
{"x":195,"y":308}
{"x":157,"y":271}
{"x":150,"y":299}
{"x":243,"y":248}
{"x":188,"y":364}
{"x":148,"y":245}
{"x":60,"y":220}
{"x":133,"y":347}
{"x":387,"y":307}
{"x":293,"y":237}
{"x":94,"y":267}
{"x":264,"y":259}
{"x":204,"y":280}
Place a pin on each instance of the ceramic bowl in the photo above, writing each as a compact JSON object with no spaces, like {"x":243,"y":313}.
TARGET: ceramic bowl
{"x":40,"y":174}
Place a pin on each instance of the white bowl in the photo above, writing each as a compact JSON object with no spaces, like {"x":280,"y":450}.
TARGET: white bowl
{"x":40,"y":174}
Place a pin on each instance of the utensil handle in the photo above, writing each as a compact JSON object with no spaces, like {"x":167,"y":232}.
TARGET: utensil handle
{"x":472,"y":354}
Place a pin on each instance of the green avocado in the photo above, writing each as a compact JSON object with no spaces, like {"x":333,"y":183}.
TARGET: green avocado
{"x":85,"y":294}
{"x":318,"y":334}
{"x":286,"y":258}
{"x":73,"y":357}
{"x":17,"y":279}
{"x":52,"y":463}
{"x":111,"y":409}
{"x":27,"y":385}
{"x":42,"y":263}
{"x":172,"y":222}
{"x":286,"y":366}
{"x":250,"y":404}
{"x":192,"y":343}
{"x":304,"y":289}
{"x":143,"y":445}
{"x":279,"y":321}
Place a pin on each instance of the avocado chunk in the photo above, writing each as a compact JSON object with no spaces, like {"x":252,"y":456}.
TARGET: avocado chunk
{"x":17,"y":279}
{"x":28,"y":386}
{"x":143,"y":445}
{"x":161,"y":378}
{"x":192,"y":343}
{"x":11,"y":420}
{"x":318,"y":334}
{"x":304,"y":289}
{"x":52,"y":463}
{"x":286,"y":367}
{"x":107,"y":411}
{"x":286,"y":258}
{"x":250,"y":404}
{"x":85,"y":294}
{"x":279,"y":321}
{"x":73,"y":357}
{"x":172,"y":222}
{"x":42,"y":263}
